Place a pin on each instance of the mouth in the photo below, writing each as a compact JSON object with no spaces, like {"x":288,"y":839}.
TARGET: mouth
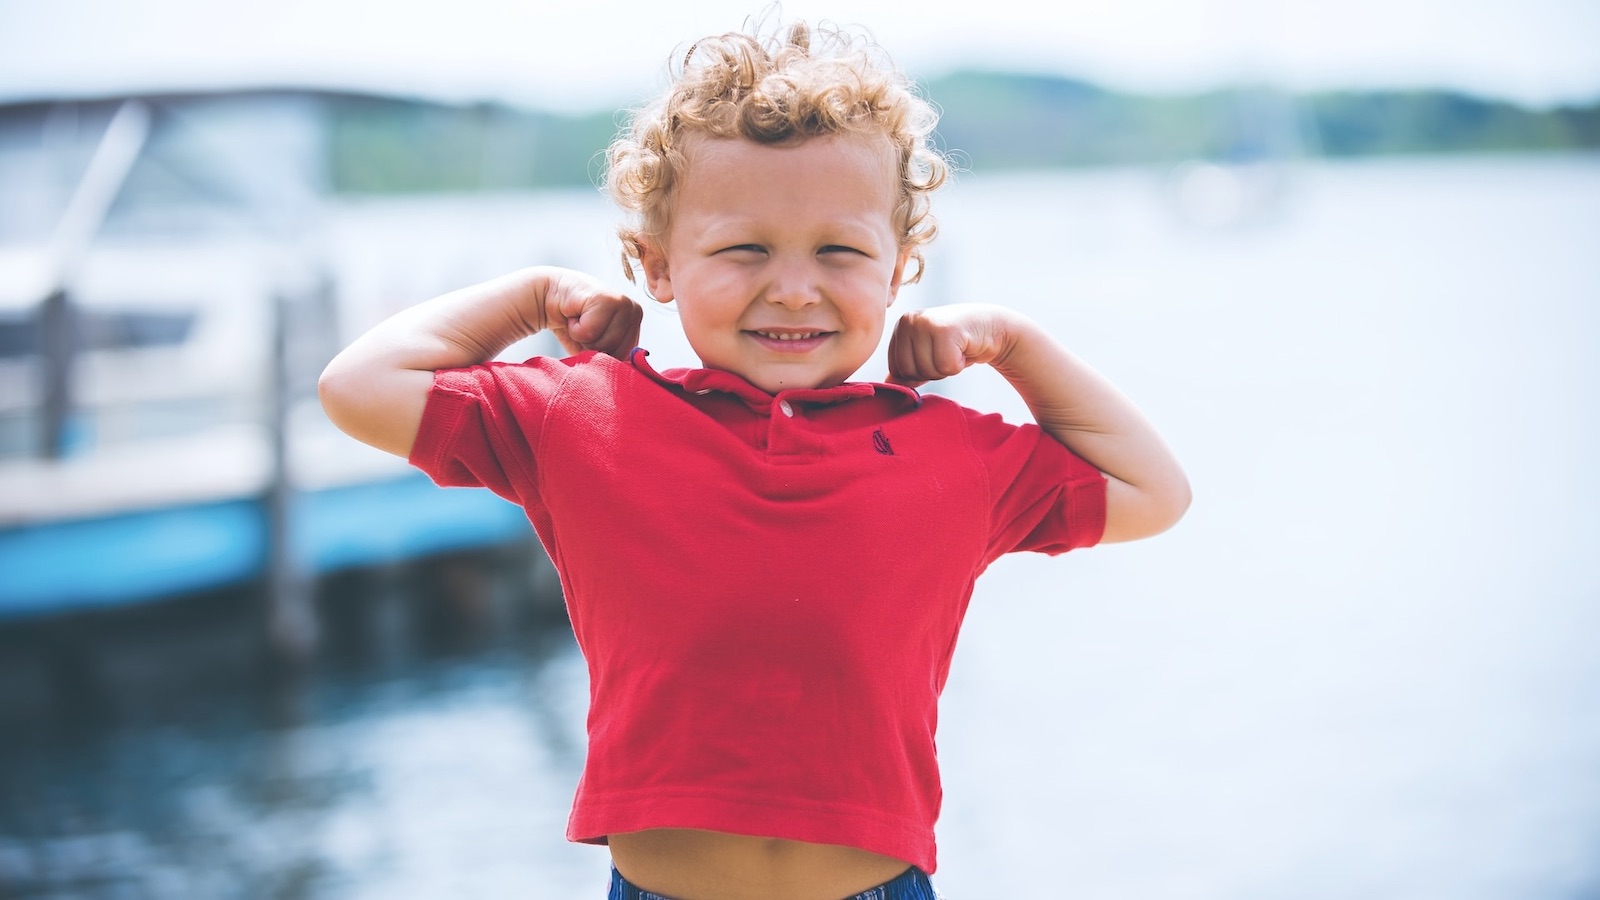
{"x":789,"y":340}
{"x":789,"y":336}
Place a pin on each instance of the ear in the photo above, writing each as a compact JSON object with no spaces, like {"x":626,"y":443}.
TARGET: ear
{"x":899,"y":273}
{"x":657,"y":276}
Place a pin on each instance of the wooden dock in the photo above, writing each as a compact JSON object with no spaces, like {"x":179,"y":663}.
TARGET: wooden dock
{"x":150,"y":520}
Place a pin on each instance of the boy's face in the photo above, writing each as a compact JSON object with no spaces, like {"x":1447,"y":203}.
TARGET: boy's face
{"x":783,"y":259}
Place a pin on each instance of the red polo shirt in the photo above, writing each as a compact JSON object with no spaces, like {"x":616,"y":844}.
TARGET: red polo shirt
{"x":767,"y":589}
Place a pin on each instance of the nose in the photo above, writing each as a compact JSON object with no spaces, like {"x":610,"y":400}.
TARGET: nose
{"x":793,"y":284}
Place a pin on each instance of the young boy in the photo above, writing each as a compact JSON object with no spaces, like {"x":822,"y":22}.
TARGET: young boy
{"x":765,"y":564}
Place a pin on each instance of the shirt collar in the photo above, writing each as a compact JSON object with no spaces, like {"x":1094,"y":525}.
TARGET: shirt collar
{"x":705,"y":381}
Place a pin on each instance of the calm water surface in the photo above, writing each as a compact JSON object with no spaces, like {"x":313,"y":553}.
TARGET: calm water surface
{"x":1364,"y":665}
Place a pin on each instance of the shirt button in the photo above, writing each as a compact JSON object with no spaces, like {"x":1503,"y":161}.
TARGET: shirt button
{"x":787,"y":409}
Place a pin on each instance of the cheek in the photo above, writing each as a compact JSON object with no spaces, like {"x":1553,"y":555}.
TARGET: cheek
{"x":870,"y":298}
{"x":714,"y":290}
{"x":707,"y":324}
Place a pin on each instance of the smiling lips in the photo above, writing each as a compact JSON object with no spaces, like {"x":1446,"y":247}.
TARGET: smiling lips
{"x":790,"y":341}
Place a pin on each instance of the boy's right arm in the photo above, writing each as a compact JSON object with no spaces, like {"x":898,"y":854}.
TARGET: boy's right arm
{"x":375,"y":390}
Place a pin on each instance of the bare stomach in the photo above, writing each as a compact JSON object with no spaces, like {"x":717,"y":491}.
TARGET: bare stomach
{"x":687,"y":864}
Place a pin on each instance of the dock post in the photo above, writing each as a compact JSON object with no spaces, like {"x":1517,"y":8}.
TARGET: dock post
{"x":292,"y":632}
{"x":58,"y":339}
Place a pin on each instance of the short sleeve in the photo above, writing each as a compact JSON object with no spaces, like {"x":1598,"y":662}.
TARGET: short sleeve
{"x":481,"y":425}
{"x":1043,"y":497}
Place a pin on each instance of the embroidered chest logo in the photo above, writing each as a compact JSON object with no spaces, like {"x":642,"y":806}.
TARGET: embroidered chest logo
{"x":880,"y":443}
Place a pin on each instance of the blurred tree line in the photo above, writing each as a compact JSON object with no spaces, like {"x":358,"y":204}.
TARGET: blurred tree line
{"x":991,"y":120}
{"x":385,"y":144}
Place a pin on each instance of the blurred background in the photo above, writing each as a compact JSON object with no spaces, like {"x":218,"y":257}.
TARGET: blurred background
{"x":1346,"y":255}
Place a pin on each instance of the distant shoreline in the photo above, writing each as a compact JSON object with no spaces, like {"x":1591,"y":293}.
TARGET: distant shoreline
{"x":992,"y":121}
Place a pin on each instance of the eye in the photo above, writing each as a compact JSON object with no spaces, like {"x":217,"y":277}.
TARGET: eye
{"x":841,"y":248}
{"x":743,"y":248}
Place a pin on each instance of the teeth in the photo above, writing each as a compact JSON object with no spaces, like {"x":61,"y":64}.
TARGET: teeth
{"x":788,"y":336}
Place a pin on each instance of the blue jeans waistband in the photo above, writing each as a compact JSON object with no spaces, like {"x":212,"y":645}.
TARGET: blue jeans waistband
{"x":912,"y":884}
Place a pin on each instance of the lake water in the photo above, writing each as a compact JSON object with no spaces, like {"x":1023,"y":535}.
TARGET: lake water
{"x":1363,"y":666}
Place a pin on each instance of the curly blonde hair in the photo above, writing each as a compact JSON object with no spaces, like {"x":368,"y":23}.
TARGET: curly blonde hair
{"x":800,"y":82}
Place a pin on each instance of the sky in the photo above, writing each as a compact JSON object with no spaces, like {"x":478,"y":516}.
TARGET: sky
{"x":572,"y":55}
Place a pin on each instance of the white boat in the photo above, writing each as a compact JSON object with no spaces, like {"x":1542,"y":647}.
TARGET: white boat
{"x":170,"y":285}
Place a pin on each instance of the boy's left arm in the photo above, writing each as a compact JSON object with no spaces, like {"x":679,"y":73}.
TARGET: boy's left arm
{"x":1146,"y":490}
